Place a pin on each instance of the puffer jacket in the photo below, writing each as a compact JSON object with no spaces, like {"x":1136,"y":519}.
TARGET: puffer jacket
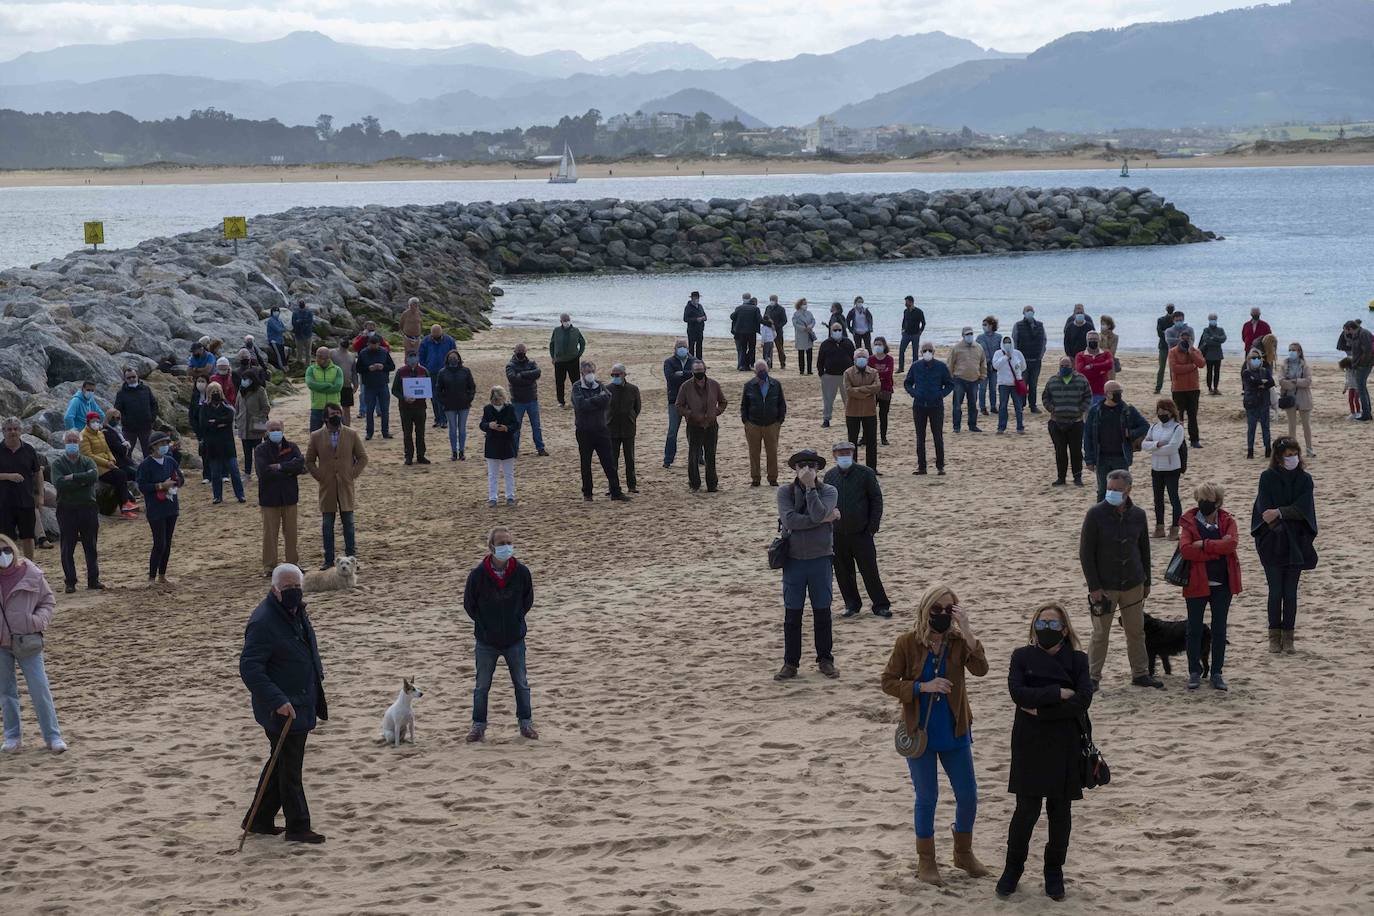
{"x":29,"y":607}
{"x":1162,"y":443}
{"x":94,"y":447}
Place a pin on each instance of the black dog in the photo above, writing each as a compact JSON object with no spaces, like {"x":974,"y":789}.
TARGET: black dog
{"x":1164,"y":638}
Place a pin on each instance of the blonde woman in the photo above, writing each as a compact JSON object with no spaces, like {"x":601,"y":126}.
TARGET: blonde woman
{"x":926,"y":674}
{"x":27,"y":603}
{"x":1051,"y":687}
{"x":1296,"y":382}
{"x":501,"y":427}
{"x":1109,"y":341}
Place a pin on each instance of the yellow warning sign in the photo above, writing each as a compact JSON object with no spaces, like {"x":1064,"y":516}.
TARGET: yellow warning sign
{"x":236,"y":227}
{"x":95,"y":233}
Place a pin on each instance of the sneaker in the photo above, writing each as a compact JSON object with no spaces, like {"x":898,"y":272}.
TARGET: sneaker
{"x":1147,"y":680}
{"x":453,"y":457}
{"x":1078,"y":481}
{"x":939,"y":472}
{"x":305,"y":836}
{"x":12,"y":745}
{"x":326,"y":565}
{"x":57,"y":746}
{"x":528,"y":732}
{"x":510,"y":500}
{"x":491,"y":504}
{"x":828,"y":669}
{"x":919,"y":472}
{"x":619,"y":498}
{"x":476,"y":734}
{"x":825,"y":424}
{"x":130,"y":514}
{"x":1194,"y":680}
{"x":785,"y":673}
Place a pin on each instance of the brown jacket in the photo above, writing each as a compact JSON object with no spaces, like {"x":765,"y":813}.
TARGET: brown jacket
{"x":335,"y":470}
{"x":700,"y":402}
{"x":968,"y":362}
{"x":904,"y":668}
{"x":861,"y":392}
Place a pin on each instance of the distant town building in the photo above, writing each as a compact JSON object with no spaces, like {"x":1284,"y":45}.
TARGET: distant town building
{"x":827,"y":134}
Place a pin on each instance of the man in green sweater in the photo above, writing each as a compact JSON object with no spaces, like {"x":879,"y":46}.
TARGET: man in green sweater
{"x":325,"y":380}
{"x":74,"y":477}
{"x":566,"y":347}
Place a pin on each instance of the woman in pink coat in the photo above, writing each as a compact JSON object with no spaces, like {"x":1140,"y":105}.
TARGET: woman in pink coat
{"x":26,"y":607}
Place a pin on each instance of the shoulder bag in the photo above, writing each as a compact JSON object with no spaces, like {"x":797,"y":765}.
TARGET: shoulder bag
{"x":777,"y":550}
{"x":1179,"y":570}
{"x":911,"y":745}
{"x":26,"y":645}
{"x":1022,"y":388}
{"x":1093,"y":770}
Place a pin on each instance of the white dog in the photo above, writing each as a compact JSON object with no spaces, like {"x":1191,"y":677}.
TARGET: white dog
{"x":342,"y":575}
{"x":399,"y":721}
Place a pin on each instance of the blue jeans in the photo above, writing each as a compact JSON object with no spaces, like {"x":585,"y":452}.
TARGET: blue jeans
{"x":987,"y":391}
{"x":485,"y":657}
{"x":220,"y":469}
{"x":670,"y":445}
{"x":327,"y":524}
{"x":1257,"y":416}
{"x":440,"y":414}
{"x":800,"y":578}
{"x":914,"y":341}
{"x":316,"y":418}
{"x":37,"y":680}
{"x":958,"y":765}
{"x":1362,"y":386}
{"x":1221,"y":604}
{"x":457,"y":421}
{"x":375,"y":400}
{"x":965,"y":390}
{"x":1003,"y":393}
{"x":531,"y":408}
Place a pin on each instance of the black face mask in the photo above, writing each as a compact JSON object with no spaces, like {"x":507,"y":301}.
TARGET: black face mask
{"x":334,"y":421}
{"x":216,"y":398}
{"x":698,"y":375}
{"x":291,"y":598}
{"x":1206,"y":506}
{"x":940,"y":623}
{"x":1048,"y":639}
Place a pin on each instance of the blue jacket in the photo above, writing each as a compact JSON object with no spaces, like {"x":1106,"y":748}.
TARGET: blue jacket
{"x":302,"y":322}
{"x":151,"y":472}
{"x":1135,"y":428}
{"x":675,"y":372}
{"x":78,"y":407}
{"x":928,"y":383}
{"x":434,"y":352}
{"x":276,"y":330}
{"x":281,"y":664}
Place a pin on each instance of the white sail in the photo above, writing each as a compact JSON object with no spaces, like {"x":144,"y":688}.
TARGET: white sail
{"x":567,"y":168}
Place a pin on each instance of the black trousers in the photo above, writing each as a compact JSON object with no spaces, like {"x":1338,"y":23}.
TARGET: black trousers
{"x":695,"y":344}
{"x":248,"y":446}
{"x":934,"y":417}
{"x":1283,"y":596}
{"x":865,"y":429}
{"x":1187,"y":402}
{"x":163,"y":528}
{"x":565,"y":371}
{"x":701,"y":443}
{"x":285,"y":792}
{"x":884,"y":407}
{"x":120,"y":483}
{"x":859,"y":549}
{"x":1213,"y":375}
{"x":413,"y":419}
{"x":141,"y":435}
{"x":864,"y":340}
{"x":744,"y":351}
{"x":79,"y":523}
{"x":792,"y":635}
{"x":781,"y":350}
{"x":600,"y":443}
{"x":1068,"y":444}
{"x":805,"y":359}
{"x":1163,"y":481}
{"x":625,"y":445}
{"x":1023,"y":820}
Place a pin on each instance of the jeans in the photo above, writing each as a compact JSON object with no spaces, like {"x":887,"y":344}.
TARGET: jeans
{"x":375,"y":400}
{"x":496,"y":469}
{"x":1104,"y":467}
{"x":79,"y":523}
{"x":830,"y":386}
{"x":39,"y":694}
{"x":912,"y":340}
{"x":966,"y":390}
{"x":865,"y":428}
{"x":163,"y":529}
{"x":1257,"y":416}
{"x":564,"y":372}
{"x":285,"y":791}
{"x":1023,"y":820}
{"x":768,"y":353}
{"x":958,"y":764}
{"x":530,"y":408}
{"x":1130,"y":603}
{"x":987,"y":390}
{"x":1187,"y":402}
{"x":457,"y":422}
{"x":327,"y":529}
{"x":670,"y":444}
{"x":1005,"y":392}
{"x":701,"y":443}
{"x":1283,"y":596}
{"x":485,"y":657}
{"x":316,"y":418}
{"x":858,"y":550}
{"x":1032,"y":377}
{"x":1068,"y":444}
{"x":1362,"y":386}
{"x":221,"y":468}
{"x":1166,"y":481}
{"x":1221,"y":603}
{"x":440,"y":415}
{"x":625,"y":445}
{"x":801,"y":578}
{"x":864,"y":340}
{"x":600,"y":444}
{"x":934,"y":416}
{"x":1213,"y":375}
{"x":413,"y":417}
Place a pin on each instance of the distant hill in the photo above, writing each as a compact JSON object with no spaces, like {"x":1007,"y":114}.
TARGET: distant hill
{"x":690,"y":101}
{"x":1305,"y":60}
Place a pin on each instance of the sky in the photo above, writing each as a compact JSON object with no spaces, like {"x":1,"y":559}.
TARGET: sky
{"x":760,"y":29}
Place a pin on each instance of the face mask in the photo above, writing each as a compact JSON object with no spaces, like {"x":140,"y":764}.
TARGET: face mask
{"x":589,"y":378}
{"x":861,"y":362}
{"x":132,"y":383}
{"x":617,"y":380}
{"x":1114,"y":397}
{"x":968,"y":338}
{"x":681,"y":352}
{"x":987,"y":328}
{"x":1065,"y":371}
{"x":334,"y":421}
{"x":1293,"y":355}
{"x":1291,"y":462}
{"x":1206,"y":506}
{"x":216,"y":398}
{"x":1164,"y":418}
{"x":1183,"y":345}
{"x":844,"y":462}
{"x":566,"y":324}
{"x":6,"y":559}
{"x":1256,"y":362}
{"x":698,"y":375}
{"x":879,"y":349}
{"x":291,"y":598}
{"x":276,"y":435}
{"x":1115,"y":497}
{"x":762,"y":376}
{"x":939,"y":623}
{"x":1006,"y":347}
{"x":1048,"y":639}
{"x":1092,"y":345}
{"x":837,"y":335}
{"x":1079,"y":319}
{"x":96,"y":426}
{"x":1029,"y":316}
{"x":162,"y":450}
{"x":1211,"y":322}
{"x":927,"y":356}
{"x":72,"y":449}
{"x":412,"y":361}
{"x":503,"y":552}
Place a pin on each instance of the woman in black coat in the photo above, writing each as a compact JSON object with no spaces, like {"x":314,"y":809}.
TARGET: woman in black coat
{"x":221,"y":451}
{"x":1284,"y":525}
{"x":1050,"y":685}
{"x":501,"y":427}
{"x":454,"y":388}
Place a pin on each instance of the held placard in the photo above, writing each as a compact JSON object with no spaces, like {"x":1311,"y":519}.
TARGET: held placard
{"x":417,"y":387}
{"x":95,"y":233}
{"x":236,"y":227}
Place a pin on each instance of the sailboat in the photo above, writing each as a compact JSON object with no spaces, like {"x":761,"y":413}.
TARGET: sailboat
{"x":567,"y":169}
{"x":1125,"y":169}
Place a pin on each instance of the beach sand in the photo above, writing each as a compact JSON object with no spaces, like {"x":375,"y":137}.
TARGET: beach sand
{"x":947,"y":161}
{"x":673,"y":773}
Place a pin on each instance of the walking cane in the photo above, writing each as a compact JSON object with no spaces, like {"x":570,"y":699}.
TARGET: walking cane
{"x":266,"y":778}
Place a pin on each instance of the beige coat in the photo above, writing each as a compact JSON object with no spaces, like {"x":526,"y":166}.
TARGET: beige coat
{"x":251,"y":409}
{"x":335,"y":470}
{"x":1300,"y":387}
{"x":861,"y":392}
{"x":968,"y":362}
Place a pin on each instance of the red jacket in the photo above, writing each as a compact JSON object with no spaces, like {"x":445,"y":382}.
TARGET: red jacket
{"x":1095,"y":368}
{"x":885,"y":365}
{"x":1252,"y":332}
{"x":361,"y":341}
{"x":1183,"y":369}
{"x":1197,"y":552}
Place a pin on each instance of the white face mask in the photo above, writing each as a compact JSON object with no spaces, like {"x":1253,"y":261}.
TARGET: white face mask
{"x":1291,"y":462}
{"x":1006,"y":346}
{"x":879,"y":349}
{"x":927,"y":356}
{"x":6,"y":559}
{"x":589,"y":378}
{"x":1030,"y":316}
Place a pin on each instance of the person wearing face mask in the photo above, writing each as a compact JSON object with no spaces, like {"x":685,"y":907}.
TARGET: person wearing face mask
{"x":1163,"y":324}
{"x":137,"y":404}
{"x":252,"y":408}
{"x":374,"y":369}
{"x":454,"y":390}
{"x":1114,"y":552}
{"x":498,"y":596}
{"x":160,"y":479}
{"x":835,"y":358}
{"x":27,"y":604}
{"x":1254,"y":330}
{"x":1176,"y":329}
{"x":282,"y":669}
{"x":220,"y":449}
{"x":862,"y":385}
{"x":94,"y":447}
{"x":280,"y":464}
{"x":74,"y":476}
{"x":1076,"y":330}
{"x":777,"y":316}
{"x":1295,"y":388}
{"x":303,"y":329}
{"x":859,"y":321}
{"x":694,"y":316}
{"x":325,"y":379}
{"x":806,"y":515}
{"x":21,"y":486}
{"x":969,"y":366}
{"x":700,"y":401}
{"x":762,"y":409}
{"x":276,"y":338}
{"x":1028,"y":336}
{"x":223,"y":376}
{"x":1283,"y":523}
{"x":1184,"y":362}
{"x":81,"y":405}
{"x":622,"y":422}
{"x":913,"y":326}
{"x":591,"y":403}
{"x":1067,"y":397}
{"x":343,"y":357}
{"x":860,"y":501}
{"x":1009,"y":369}
{"x":251,"y":346}
{"x":1050,"y":684}
{"x":336,"y":458}
{"x":928,"y":382}
{"x":566,"y":346}
{"x":1168,"y":457}
{"x":1213,"y":336}
{"x":745,"y":322}
{"x":1358,"y":344}
{"x":1207,"y":540}
{"x":120,"y":447}
{"x":1256,"y":380}
{"x":413,"y":410}
{"x":836,"y":316}
{"x":1095,"y":364}
{"x":195,"y":417}
{"x":434,"y":350}
{"x":804,"y":335}
{"x":365,"y":337}
{"x":522,"y":379}
{"x":1110,"y":341}
{"x":767,"y":336}
{"x":677,"y":369}
{"x":200,"y":364}
{"x":1110,"y":433}
{"x":991,"y":341}
{"x":881,"y":360}
{"x":926,"y":673}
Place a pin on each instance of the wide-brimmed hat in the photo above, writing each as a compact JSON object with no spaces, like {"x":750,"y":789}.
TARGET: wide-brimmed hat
{"x":806,"y":454}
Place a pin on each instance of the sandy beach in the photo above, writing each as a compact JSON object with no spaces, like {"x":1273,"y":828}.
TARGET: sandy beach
{"x":979,"y":161}
{"x":673,"y":774}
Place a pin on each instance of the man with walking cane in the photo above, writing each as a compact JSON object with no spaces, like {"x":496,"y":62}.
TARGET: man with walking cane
{"x":282,"y":669}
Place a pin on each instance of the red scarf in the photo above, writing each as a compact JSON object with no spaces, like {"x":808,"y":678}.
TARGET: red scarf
{"x":498,"y":576}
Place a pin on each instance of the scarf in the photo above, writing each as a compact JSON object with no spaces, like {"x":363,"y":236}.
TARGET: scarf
{"x":498,"y":576}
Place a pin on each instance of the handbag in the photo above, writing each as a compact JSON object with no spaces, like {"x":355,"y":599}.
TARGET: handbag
{"x":1093,"y":770}
{"x":1287,"y":401}
{"x":1179,"y":570}
{"x":777,"y":550}
{"x":1022,"y":388}
{"x":912,"y":746}
{"x":24,"y":645}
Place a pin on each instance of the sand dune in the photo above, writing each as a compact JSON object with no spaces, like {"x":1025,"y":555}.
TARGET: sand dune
{"x":674,"y":775}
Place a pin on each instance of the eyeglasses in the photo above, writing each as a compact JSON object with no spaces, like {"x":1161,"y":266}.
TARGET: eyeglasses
{"x":1049,"y":625}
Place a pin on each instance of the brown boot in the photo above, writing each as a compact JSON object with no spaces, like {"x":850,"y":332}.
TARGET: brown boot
{"x":1286,"y":642}
{"x":964,"y":857}
{"x":1275,"y":641}
{"x":1158,"y":532}
{"x":926,"y":869}
{"x":1173,"y":532}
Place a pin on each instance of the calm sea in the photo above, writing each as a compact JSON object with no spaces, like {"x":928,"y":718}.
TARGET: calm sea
{"x":1299,"y":243}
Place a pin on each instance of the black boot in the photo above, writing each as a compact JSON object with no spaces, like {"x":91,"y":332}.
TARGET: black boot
{"x":1011,"y":872}
{"x":1054,"y":872}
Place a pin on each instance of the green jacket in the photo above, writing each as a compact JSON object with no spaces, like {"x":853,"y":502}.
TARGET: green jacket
{"x":566,"y":344}
{"x":80,"y":490}
{"x":324,"y":384}
{"x":1067,"y":399}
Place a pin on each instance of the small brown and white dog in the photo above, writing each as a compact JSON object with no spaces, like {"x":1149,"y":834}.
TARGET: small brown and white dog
{"x":399,"y":722}
{"x":342,"y":575}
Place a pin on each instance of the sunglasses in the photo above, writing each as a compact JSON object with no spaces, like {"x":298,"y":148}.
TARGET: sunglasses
{"x":1049,"y":625}
{"x":942,"y":608}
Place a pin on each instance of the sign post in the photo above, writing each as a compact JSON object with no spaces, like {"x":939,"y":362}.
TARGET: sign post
{"x":236,"y":227}
{"x":95,"y":234}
